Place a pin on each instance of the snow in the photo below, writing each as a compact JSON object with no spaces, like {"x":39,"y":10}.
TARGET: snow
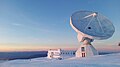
{"x":108,"y":60}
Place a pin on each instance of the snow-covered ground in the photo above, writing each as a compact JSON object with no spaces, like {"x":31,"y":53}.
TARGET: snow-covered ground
{"x":108,"y":60}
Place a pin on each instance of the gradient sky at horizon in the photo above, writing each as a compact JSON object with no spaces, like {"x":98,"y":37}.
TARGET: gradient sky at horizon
{"x":39,"y":24}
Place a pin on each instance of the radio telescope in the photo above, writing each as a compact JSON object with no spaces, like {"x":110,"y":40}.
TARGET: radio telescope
{"x":90,"y":25}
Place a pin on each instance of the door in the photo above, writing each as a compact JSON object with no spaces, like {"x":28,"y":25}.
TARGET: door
{"x":83,"y":54}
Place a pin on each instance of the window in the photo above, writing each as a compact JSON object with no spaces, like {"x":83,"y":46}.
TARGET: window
{"x":82,"y":48}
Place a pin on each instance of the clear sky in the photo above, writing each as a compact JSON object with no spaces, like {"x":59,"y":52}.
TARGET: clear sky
{"x":41,"y":24}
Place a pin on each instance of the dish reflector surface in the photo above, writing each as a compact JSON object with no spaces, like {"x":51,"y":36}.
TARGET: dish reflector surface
{"x":93,"y":24}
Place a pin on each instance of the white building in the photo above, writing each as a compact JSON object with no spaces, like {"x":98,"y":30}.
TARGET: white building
{"x":60,"y":54}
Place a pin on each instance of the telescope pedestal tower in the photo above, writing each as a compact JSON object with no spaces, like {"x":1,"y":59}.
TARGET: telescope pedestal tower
{"x":86,"y":49}
{"x":90,"y":26}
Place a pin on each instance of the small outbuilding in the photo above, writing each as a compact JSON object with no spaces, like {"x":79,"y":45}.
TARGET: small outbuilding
{"x":60,"y":54}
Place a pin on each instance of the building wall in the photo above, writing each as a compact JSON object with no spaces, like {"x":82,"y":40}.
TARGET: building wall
{"x":86,"y":51}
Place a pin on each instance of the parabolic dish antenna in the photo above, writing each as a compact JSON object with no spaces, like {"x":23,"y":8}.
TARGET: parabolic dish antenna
{"x":92,"y":24}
